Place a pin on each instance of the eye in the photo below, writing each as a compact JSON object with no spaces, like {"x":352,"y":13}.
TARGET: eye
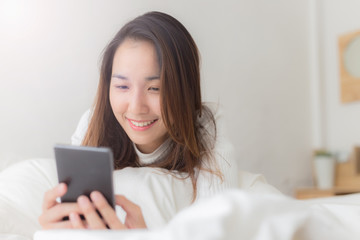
{"x":122,"y":87}
{"x":155,"y":89}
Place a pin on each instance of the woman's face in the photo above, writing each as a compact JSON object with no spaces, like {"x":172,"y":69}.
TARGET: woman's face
{"x":135,"y":94}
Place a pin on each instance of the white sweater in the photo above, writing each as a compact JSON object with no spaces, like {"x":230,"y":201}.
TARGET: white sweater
{"x":207,"y":184}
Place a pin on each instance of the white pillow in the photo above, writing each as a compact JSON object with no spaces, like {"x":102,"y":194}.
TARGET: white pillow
{"x":12,"y":237}
{"x":159,"y":194}
{"x":22,"y":187}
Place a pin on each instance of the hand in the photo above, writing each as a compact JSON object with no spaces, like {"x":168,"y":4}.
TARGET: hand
{"x":134,"y":217}
{"x":53,"y":212}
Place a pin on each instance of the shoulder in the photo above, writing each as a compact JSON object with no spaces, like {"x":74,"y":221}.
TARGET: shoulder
{"x":214,"y":125}
{"x":81,"y":128}
{"x":210,"y":111}
{"x":212,"y":119}
{"x":222,"y":157}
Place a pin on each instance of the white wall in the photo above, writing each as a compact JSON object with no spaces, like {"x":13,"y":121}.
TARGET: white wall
{"x":255,"y":62}
{"x":263,"y":81}
{"x":341,"y":121}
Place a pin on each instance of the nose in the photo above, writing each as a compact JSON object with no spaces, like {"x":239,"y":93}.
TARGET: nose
{"x":138,"y":102}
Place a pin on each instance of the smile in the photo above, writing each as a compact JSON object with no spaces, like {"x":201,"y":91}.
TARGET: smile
{"x":143,"y":125}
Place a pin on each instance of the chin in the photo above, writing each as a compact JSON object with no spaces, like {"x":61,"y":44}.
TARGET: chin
{"x":140,"y":142}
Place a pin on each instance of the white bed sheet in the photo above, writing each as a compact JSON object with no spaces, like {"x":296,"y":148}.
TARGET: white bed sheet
{"x":242,"y":215}
{"x":237,"y":214}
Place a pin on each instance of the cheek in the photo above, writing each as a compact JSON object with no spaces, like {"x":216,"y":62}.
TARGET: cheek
{"x":117,"y":103}
{"x":155,"y":105}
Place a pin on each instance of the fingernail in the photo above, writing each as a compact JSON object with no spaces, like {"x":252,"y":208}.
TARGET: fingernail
{"x":95,"y":196}
{"x":82,"y":200}
{"x":61,"y":187}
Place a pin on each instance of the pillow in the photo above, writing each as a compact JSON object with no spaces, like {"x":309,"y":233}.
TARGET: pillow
{"x":12,"y":237}
{"x":22,"y":187}
{"x":159,"y":194}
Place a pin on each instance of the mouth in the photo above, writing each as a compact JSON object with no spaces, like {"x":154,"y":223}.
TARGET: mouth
{"x":141,"y":125}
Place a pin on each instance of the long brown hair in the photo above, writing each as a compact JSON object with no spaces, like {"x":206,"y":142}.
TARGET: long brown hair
{"x":180,"y":99}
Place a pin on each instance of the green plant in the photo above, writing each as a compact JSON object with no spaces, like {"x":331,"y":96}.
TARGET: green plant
{"x":323,"y":153}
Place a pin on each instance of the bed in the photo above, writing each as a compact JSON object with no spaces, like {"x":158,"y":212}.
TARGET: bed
{"x":246,"y":213}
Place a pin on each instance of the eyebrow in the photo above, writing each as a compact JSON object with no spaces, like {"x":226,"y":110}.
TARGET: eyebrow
{"x":153,"y":78}
{"x":119,"y":76}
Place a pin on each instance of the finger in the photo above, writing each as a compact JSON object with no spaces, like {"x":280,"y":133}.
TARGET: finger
{"x":76,"y":221}
{"x":92,"y":217}
{"x":134,"y":216}
{"x":58,"y":225}
{"x":51,"y":195}
{"x":106,"y":211}
{"x":126,"y":204}
{"x":58,"y":212}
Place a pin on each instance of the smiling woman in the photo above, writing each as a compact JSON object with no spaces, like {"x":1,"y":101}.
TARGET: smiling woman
{"x":149,"y":111}
{"x":152,"y":68}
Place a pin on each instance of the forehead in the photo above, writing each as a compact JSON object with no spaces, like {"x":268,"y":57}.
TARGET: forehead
{"x":135,"y":60}
{"x":133,"y":46}
{"x":135,"y":50}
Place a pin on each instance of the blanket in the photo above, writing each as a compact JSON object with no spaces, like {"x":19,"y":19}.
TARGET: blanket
{"x":239,"y":214}
{"x":254,"y":211}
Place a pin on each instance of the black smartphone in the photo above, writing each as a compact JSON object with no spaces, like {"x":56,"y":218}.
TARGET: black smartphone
{"x":85,"y":169}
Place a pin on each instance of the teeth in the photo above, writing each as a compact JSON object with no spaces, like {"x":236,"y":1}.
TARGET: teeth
{"x":142,"y":124}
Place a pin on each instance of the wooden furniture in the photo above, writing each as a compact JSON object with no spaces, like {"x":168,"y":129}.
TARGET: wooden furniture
{"x":312,"y":192}
{"x":348,"y":57}
{"x":347,"y":180}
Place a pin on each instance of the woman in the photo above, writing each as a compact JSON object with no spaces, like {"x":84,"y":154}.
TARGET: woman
{"x":148,"y":110}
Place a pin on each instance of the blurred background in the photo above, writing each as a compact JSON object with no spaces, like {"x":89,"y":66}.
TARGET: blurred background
{"x":272,"y":65}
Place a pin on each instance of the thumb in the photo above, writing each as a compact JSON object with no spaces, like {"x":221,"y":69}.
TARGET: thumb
{"x":134,"y":216}
{"x":126,"y":204}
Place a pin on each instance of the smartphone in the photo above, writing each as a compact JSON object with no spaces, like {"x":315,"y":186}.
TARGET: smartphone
{"x":85,"y":169}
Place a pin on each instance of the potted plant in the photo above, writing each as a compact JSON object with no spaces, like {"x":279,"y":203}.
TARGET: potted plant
{"x":324,"y":167}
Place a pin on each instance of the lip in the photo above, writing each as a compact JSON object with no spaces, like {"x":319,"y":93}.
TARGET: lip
{"x":138,"y":128}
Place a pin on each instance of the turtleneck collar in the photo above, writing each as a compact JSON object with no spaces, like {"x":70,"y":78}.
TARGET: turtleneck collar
{"x":148,"y":158}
